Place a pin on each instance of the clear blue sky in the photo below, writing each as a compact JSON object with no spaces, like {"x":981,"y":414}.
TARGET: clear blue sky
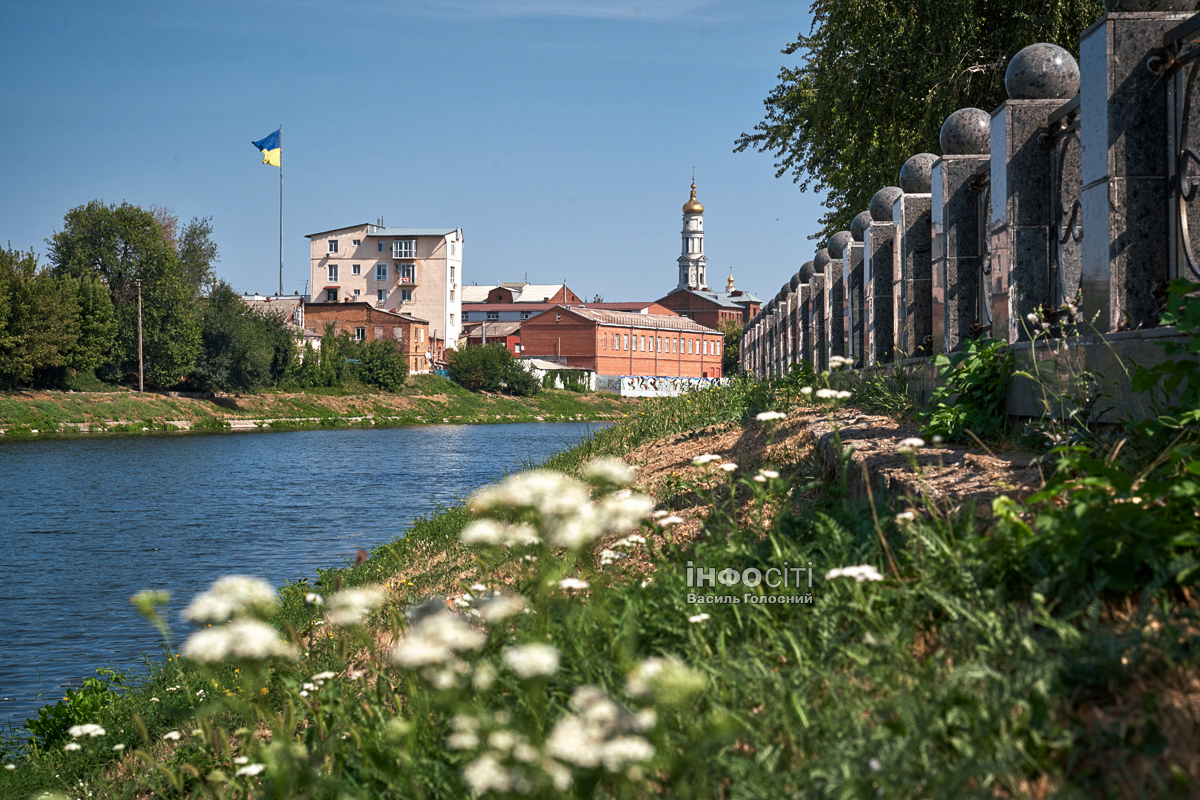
{"x":560,"y":135}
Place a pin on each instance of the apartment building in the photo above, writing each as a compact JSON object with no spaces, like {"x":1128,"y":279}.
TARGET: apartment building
{"x":416,"y":272}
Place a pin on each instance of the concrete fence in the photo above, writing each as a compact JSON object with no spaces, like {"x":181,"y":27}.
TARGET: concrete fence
{"x":1070,"y":204}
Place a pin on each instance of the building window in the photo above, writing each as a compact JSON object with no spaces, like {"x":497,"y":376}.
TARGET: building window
{"x":626,"y":341}
{"x":331,"y":295}
{"x":406,"y":295}
{"x":356,"y":292}
{"x":357,"y":242}
{"x":524,"y":315}
{"x":408,"y":272}
{"x":451,"y":319}
{"x":360,"y":334}
{"x":404,"y":248}
{"x":333,"y":272}
{"x":493,"y":316}
{"x":452,"y":274}
{"x":466,"y":316}
{"x":380,"y":243}
{"x":689,"y":344}
{"x":381,"y":295}
{"x":558,"y":317}
{"x":381,"y":272}
{"x":452,"y":253}
{"x":451,"y":295}
{"x":356,"y":269}
{"x":333,"y":245}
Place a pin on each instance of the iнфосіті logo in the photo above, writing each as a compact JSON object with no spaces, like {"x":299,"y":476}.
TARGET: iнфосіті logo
{"x":797,"y":581}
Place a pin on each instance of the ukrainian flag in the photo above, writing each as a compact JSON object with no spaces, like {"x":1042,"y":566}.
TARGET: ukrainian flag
{"x":271,"y":148}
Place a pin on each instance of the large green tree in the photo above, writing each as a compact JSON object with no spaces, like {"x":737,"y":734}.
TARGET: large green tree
{"x":877,"y":78}
{"x":121,"y":245}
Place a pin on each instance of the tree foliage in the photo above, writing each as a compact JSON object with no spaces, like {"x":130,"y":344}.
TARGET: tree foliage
{"x":878,"y":78}
{"x":120,"y":245}
{"x":237,"y":349}
{"x":490,"y":368}
{"x":341,"y":360}
{"x":730,"y":352}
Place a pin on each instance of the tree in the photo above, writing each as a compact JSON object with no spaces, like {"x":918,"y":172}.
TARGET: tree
{"x":878,"y":78}
{"x":490,"y":368}
{"x":383,"y":365}
{"x":40,"y":318}
{"x":120,"y":245}
{"x":731,"y":362}
{"x":197,"y":254}
{"x":236,"y":350}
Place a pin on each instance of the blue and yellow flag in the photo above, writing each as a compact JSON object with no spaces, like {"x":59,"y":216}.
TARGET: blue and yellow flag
{"x":271,"y":148}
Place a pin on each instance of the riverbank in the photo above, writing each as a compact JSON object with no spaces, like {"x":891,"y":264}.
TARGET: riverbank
{"x":930,"y":651}
{"x":424,"y":400}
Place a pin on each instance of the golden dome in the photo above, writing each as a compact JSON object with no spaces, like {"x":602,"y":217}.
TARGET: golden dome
{"x":729,"y":283}
{"x":693,"y":206}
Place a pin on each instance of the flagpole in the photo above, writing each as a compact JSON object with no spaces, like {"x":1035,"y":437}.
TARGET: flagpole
{"x":281,"y":208}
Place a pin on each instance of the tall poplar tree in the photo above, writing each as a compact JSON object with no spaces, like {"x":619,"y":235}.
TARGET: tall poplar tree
{"x":877,"y":78}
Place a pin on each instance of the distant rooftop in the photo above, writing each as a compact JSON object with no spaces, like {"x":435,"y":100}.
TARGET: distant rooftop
{"x":381,"y":230}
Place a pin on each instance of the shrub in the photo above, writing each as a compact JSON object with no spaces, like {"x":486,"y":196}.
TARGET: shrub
{"x":971,"y":394}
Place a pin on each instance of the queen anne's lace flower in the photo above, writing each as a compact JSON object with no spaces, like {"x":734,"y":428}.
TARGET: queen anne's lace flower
{"x":863,"y":572}
{"x":572,"y":583}
{"x":910,"y":444}
{"x":532,"y":660}
{"x":353,"y":606}
{"x":770,"y":416}
{"x":599,"y":734}
{"x":707,"y":458}
{"x":435,"y":640}
{"x":86,"y":729}
{"x":230,"y":597}
{"x":728,"y":466}
{"x":501,"y":607}
{"x":697,"y":618}
{"x":609,"y":470}
{"x":486,"y":774}
{"x":243,"y":639}
{"x":251,"y":770}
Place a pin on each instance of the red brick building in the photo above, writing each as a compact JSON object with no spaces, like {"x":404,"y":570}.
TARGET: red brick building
{"x":506,"y":333}
{"x":711,"y":308}
{"x":623,"y":343}
{"x":367,"y":323}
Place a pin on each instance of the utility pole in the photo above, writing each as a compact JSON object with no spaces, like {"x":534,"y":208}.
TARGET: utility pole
{"x":141,"y":362}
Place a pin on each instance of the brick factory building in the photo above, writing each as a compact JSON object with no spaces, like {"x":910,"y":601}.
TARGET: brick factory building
{"x":623,"y":343}
{"x":367,"y":323}
{"x":506,"y":333}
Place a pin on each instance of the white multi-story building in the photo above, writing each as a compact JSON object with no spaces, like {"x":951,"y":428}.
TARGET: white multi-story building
{"x":413,"y":271}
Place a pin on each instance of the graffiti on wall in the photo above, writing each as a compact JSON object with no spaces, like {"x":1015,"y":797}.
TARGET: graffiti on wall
{"x":650,"y":386}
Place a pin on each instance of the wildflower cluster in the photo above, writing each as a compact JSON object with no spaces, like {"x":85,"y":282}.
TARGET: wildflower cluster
{"x":237,"y":601}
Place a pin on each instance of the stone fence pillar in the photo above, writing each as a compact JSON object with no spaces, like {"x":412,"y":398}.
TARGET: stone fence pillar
{"x":957,"y":246}
{"x":1124,"y":131}
{"x":807,"y":348}
{"x":852,"y":261}
{"x":879,"y":255}
{"x":838,"y":297}
{"x":912,"y":285}
{"x":1039,"y":78}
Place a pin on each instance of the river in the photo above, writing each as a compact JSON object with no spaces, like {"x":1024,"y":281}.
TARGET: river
{"x":87,"y":522}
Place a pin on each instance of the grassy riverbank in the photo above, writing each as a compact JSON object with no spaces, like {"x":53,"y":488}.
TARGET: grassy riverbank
{"x":973,"y":658}
{"x":425,"y":399}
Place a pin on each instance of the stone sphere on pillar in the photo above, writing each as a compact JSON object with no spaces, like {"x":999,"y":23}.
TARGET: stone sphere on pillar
{"x":1042,"y":71}
{"x":882,"y":202}
{"x":806,"y":271}
{"x":967,"y":132}
{"x":794,"y":283}
{"x":782,"y":294}
{"x":838,"y":243}
{"x":916,"y":176}
{"x":858,"y":228}
{"x":821,"y":260}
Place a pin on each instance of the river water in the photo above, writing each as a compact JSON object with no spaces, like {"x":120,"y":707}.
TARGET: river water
{"x":86,"y":523}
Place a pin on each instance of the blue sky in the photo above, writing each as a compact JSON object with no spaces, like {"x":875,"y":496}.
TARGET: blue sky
{"x":560,"y":135}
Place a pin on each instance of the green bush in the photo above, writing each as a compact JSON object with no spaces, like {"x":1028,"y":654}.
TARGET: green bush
{"x":490,"y":368}
{"x":970,"y":396}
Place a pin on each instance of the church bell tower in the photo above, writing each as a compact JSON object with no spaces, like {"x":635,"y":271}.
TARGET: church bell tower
{"x":692,"y":260}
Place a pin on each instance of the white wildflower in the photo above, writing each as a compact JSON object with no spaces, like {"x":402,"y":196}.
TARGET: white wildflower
{"x":827,"y":394}
{"x":728,"y":466}
{"x":806,"y":391}
{"x":501,"y":607}
{"x":498,"y":534}
{"x":304,"y":693}
{"x":770,"y":416}
{"x":532,"y":660}
{"x":1031,"y":318}
{"x":905,"y":516}
{"x":462,"y":740}
{"x":352,"y":606}
{"x":768,"y":473}
{"x":247,"y":639}
{"x":321,"y":677}
{"x":87,"y":729}
{"x":10,"y":767}
{"x":910,"y":444}
{"x":486,"y":774}
{"x":671,"y":520}
{"x":608,"y":470}
{"x":250,"y":770}
{"x":172,"y":736}
{"x":560,"y":776}
{"x":435,"y":640}
{"x":937,"y":440}
{"x":118,"y":747}
{"x":572,"y":583}
{"x":843,"y":395}
{"x":578,"y":529}
{"x":875,"y":764}
{"x":484,"y":677}
{"x":668,"y":680}
{"x":863,"y":572}
{"x":707,"y":458}
{"x":622,"y":512}
{"x":233,"y":596}
{"x":241,"y":760}
{"x":314,"y":599}
{"x":502,"y":740}
{"x":660,"y":513}
{"x":616,"y":753}
{"x":71,"y":747}
{"x":551,"y":494}
{"x":698,"y":618}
